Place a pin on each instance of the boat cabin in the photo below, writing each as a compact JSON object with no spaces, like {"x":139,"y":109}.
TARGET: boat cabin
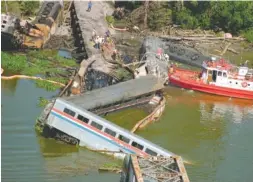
{"x":212,"y":73}
{"x":221,"y":73}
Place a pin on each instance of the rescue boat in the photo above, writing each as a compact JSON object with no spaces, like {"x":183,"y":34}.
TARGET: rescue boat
{"x":217,"y":77}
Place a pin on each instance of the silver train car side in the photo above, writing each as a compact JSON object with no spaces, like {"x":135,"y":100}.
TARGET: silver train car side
{"x":99,"y":134}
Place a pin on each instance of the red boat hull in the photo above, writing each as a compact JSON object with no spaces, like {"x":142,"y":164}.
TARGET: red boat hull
{"x":176,"y":80}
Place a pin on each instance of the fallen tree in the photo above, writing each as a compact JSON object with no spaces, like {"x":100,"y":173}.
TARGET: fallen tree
{"x":225,"y":49}
{"x":199,"y":38}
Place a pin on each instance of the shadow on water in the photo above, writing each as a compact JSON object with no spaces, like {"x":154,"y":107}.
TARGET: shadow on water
{"x":66,"y":160}
{"x":53,"y":148}
{"x":9,"y":86}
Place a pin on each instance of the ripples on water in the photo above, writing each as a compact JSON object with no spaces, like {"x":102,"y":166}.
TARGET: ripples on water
{"x":211,"y":132}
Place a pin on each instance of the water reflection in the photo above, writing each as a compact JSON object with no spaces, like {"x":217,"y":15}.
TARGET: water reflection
{"x":9,"y":86}
{"x":217,"y":110}
{"x":211,"y":132}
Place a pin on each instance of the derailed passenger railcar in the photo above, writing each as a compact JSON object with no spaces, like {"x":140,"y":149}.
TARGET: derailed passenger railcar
{"x":97,"y":133}
{"x":72,"y":118}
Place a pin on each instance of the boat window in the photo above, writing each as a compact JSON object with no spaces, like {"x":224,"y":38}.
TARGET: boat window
{"x":96,"y":125}
{"x":69,"y":112}
{"x":110,"y":132}
{"x":214,"y":76}
{"x":219,"y":73}
{"x":150,"y":152}
{"x":136,"y":145}
{"x":84,"y":119}
{"x":124,"y":139}
{"x":224,"y":74}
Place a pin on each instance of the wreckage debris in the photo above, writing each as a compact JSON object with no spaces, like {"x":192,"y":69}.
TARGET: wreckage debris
{"x":153,"y":169}
{"x":23,"y":34}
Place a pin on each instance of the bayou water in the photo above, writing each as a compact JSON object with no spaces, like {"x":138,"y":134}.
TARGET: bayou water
{"x":214,"y":134}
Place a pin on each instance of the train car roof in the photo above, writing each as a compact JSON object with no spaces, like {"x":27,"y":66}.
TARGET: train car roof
{"x":115,"y":93}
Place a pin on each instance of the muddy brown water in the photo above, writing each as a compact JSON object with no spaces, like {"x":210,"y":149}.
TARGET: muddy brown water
{"x":213,"y":133}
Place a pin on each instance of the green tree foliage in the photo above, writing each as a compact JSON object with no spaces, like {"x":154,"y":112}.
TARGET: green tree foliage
{"x":29,"y":8}
{"x":130,"y":5}
{"x":185,"y":19}
{"x":231,"y":16}
{"x":12,"y":6}
{"x":248,"y":34}
{"x":159,"y":16}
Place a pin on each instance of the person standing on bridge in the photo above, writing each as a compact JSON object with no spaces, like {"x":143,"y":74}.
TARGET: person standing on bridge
{"x":89,"y":6}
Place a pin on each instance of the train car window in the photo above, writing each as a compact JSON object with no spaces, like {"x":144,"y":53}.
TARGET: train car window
{"x":96,"y":125}
{"x":150,"y":152}
{"x":124,"y":139}
{"x":110,"y":132}
{"x":69,"y":112}
{"x":136,"y":145}
{"x":81,"y":118}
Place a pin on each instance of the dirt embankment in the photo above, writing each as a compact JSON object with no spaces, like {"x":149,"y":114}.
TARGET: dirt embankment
{"x":198,"y":44}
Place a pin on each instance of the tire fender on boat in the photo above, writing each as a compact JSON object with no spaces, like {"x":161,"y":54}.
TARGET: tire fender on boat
{"x":244,"y":84}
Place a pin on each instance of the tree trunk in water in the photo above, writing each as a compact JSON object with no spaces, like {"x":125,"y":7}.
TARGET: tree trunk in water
{"x":146,"y":14}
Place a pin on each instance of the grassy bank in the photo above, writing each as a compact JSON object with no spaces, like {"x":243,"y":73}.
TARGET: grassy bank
{"x":45,"y":64}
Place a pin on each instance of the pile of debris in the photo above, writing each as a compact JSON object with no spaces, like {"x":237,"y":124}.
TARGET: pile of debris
{"x":153,"y":169}
{"x":58,"y":41}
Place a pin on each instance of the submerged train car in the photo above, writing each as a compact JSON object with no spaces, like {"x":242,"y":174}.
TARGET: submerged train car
{"x":72,"y":117}
{"x":96,"y":133}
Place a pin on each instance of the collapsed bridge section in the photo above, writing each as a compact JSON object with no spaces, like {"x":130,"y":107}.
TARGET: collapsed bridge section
{"x":153,"y":169}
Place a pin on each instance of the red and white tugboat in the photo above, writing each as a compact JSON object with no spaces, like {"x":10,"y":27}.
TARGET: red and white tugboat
{"x":217,"y":77}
